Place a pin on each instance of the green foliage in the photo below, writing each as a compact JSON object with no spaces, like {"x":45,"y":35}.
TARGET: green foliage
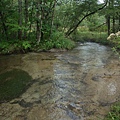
{"x":46,"y":45}
{"x":70,"y":14}
{"x":15,"y":46}
{"x":115,"y":43}
{"x":60,"y":41}
{"x":26,"y":45}
{"x":83,"y":28}
{"x":114,"y":114}
{"x":99,"y":37}
{"x":46,"y":16}
{"x":13,"y":83}
{"x":57,"y":40}
{"x":94,"y":23}
{"x":4,"y":46}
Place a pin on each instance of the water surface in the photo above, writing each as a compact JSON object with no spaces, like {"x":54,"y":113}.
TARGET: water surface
{"x":79,"y":84}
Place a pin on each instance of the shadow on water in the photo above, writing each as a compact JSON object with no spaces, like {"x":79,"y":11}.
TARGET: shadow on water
{"x":72,"y":85}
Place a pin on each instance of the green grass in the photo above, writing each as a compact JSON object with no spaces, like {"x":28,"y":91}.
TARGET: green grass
{"x":13,"y":83}
{"x":98,"y":37}
{"x":114,"y":114}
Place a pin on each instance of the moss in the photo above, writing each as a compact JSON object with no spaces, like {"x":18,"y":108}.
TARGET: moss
{"x":13,"y":83}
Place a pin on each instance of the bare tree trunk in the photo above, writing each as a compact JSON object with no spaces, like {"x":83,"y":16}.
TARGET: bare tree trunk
{"x":26,"y":18}
{"x":52,"y":20}
{"x":20,"y":19}
{"x":108,"y":24}
{"x":113,"y":29}
{"x":31,"y":16}
{"x":108,"y":20}
{"x":113,"y":17}
{"x":39,"y":21}
{"x":119,"y":23}
{"x":3,"y":24}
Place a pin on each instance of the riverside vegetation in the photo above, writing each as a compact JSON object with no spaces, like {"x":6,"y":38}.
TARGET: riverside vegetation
{"x":57,"y":40}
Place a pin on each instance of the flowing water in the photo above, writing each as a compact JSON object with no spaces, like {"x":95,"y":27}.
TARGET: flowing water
{"x":80,"y":84}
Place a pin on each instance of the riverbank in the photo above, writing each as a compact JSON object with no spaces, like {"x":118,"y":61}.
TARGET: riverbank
{"x":58,"y":42}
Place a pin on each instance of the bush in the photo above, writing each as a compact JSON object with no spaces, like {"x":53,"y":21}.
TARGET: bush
{"x":4,"y":47}
{"x":57,"y":40}
{"x":13,"y":46}
{"x":60,"y":41}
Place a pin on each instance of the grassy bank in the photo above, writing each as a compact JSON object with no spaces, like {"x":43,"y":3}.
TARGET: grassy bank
{"x":114,"y":114}
{"x":56,"y":40}
{"x":98,"y":37}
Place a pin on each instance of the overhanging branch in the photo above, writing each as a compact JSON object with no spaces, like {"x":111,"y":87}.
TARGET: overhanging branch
{"x":71,"y":30}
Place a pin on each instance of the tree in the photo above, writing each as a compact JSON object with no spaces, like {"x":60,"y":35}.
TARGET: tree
{"x":26,"y":16}
{"x":90,"y":9}
{"x":39,"y":15}
{"x":20,"y":19}
{"x":4,"y":10}
{"x":112,"y":14}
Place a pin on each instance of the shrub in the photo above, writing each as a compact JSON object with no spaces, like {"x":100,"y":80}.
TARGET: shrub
{"x":60,"y":41}
{"x":57,"y":40}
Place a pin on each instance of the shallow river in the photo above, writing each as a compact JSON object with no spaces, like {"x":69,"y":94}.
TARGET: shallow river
{"x":80,"y":84}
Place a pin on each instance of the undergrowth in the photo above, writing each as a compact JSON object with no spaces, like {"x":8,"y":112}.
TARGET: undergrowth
{"x":114,"y":114}
{"x":98,"y":37}
{"x":56,"y":40}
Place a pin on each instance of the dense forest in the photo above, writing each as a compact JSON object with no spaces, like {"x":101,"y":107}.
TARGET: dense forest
{"x":36,"y":25}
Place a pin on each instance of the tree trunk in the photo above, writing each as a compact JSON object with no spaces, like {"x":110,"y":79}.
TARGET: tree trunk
{"x":39,"y":21}
{"x":113,"y":17}
{"x":113,"y":29}
{"x":52,"y":20}
{"x":26,"y":18}
{"x":3,"y":24}
{"x":31,"y":18}
{"x":72,"y":29}
{"x":108,"y":24}
{"x":20,"y":19}
{"x":119,"y":23}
